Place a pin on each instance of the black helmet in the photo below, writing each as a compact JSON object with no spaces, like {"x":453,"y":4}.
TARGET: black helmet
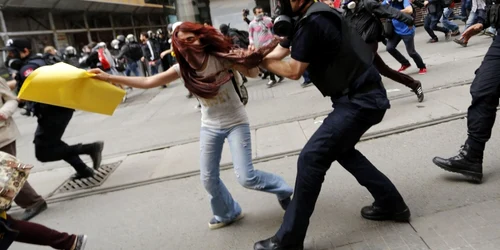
{"x":224,"y":28}
{"x":159,"y":32}
{"x":120,"y":38}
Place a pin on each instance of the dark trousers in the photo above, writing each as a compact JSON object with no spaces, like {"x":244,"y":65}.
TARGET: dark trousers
{"x":33,"y":233}
{"x":431,"y":23}
{"x":49,"y":147}
{"x":390,"y":73}
{"x":409,"y":42}
{"x":27,"y":196}
{"x":485,"y":92}
{"x":335,"y":140}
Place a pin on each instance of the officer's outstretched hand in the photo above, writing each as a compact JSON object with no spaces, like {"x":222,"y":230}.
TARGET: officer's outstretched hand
{"x":99,"y":74}
{"x":473,"y":30}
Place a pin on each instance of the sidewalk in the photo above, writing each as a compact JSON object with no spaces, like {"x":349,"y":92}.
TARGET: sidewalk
{"x":267,"y":143}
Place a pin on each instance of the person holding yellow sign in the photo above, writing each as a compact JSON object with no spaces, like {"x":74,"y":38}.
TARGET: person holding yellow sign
{"x":205,"y":62}
{"x":52,"y":120}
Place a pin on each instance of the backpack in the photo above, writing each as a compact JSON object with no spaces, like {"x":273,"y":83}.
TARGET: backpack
{"x":447,"y":3}
{"x":242,"y":36}
{"x":13,"y":175}
{"x":135,"y":51}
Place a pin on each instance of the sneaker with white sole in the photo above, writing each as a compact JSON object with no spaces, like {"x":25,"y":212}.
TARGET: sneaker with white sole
{"x":215,"y":224}
{"x":80,"y":242}
{"x":271,"y":83}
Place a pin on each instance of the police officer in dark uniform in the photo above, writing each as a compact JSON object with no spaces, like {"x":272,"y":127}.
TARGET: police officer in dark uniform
{"x":340,"y":65}
{"x":485,"y":92}
{"x":52,"y":120}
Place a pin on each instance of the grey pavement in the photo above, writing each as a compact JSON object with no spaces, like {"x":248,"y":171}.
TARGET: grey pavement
{"x":156,"y":118}
{"x":154,"y":199}
{"x":448,"y":212}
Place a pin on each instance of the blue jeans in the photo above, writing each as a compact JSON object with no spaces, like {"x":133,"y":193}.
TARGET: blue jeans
{"x":446,"y":22}
{"x":224,"y":207}
{"x":132,"y":67}
{"x":475,"y":17}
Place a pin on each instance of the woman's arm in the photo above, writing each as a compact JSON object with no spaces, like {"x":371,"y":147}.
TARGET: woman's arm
{"x":252,"y":73}
{"x":138,"y":82}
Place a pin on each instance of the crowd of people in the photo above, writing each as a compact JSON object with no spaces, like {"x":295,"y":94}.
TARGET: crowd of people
{"x":330,"y":45}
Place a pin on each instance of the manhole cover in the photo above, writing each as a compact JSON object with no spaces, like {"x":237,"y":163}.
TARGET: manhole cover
{"x":100,"y":176}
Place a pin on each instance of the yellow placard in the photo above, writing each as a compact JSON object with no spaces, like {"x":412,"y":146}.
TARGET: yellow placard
{"x":64,"y":85}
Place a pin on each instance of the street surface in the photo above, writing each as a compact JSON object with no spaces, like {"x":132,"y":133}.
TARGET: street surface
{"x":154,"y":200}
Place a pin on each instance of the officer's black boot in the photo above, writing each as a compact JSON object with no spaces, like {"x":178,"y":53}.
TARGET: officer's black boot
{"x":468,"y":163}
{"x":82,"y":174}
{"x":94,"y":150}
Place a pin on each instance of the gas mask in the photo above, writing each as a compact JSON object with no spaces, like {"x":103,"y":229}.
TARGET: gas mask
{"x":14,"y":62}
{"x":349,"y":4}
{"x":284,"y":24}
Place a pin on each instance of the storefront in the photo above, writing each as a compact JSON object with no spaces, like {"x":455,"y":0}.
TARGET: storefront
{"x":77,"y":22}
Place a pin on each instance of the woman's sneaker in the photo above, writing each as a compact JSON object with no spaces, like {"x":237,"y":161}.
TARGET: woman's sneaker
{"x":215,"y":224}
{"x":271,"y":83}
{"x":80,"y":242}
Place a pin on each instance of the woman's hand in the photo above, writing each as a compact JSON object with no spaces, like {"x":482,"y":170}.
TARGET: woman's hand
{"x":100,"y":75}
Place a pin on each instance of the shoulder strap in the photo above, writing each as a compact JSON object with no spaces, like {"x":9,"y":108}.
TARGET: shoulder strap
{"x":318,"y":7}
{"x":235,"y":84}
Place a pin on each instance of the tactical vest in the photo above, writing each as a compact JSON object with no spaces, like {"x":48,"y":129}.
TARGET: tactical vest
{"x":353,"y":59}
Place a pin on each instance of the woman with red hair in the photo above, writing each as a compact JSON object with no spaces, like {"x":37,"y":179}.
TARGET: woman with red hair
{"x":205,"y":58}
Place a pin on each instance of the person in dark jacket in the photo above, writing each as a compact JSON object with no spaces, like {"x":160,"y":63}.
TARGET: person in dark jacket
{"x":434,"y":14}
{"x":163,"y":44}
{"x":71,"y":56}
{"x":365,"y":16}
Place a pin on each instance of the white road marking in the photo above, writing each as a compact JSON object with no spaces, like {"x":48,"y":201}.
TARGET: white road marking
{"x":393,"y":90}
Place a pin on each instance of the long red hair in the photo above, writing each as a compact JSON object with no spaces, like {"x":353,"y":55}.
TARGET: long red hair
{"x":211,"y":42}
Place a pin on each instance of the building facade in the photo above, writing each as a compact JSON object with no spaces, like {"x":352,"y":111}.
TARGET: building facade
{"x":61,"y":23}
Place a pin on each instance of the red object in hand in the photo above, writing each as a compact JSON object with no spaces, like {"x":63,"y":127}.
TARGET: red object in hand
{"x":102,"y":58}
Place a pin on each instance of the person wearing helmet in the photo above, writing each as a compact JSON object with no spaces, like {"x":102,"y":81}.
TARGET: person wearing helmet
{"x":130,"y":52}
{"x":71,"y":57}
{"x":344,"y":72}
{"x":100,"y":57}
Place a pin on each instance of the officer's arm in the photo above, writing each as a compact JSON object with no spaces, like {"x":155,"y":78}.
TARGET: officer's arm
{"x":408,"y":8}
{"x":278,"y":53}
{"x":123,"y":51}
{"x":386,"y":11}
{"x":292,"y":68}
